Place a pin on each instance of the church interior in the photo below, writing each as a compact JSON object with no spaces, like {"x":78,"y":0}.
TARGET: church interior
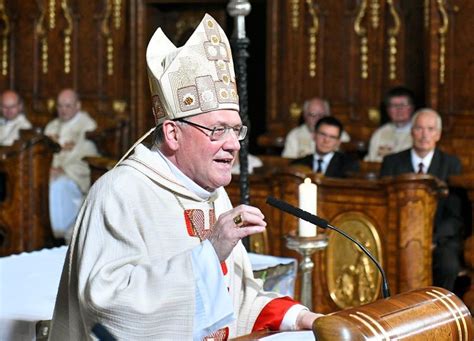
{"x":348,"y":52}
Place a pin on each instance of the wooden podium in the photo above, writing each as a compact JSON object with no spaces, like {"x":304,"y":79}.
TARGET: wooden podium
{"x":430,"y":313}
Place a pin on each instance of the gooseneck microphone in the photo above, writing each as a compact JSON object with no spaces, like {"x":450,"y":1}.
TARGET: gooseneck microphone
{"x":102,"y":333}
{"x":299,"y":213}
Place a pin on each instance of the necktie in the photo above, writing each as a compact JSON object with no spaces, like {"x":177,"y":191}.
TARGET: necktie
{"x":320,"y":166}
{"x":420,"y":168}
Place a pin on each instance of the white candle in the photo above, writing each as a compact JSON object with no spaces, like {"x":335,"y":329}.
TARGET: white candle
{"x":307,"y":196}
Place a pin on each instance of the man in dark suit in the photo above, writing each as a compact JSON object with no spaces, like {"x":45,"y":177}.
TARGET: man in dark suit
{"x":424,"y":157}
{"x":326,"y":159}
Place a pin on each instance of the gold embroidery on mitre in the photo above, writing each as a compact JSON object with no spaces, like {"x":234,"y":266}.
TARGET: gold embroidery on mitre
{"x":157,"y":108}
{"x":196,"y":78}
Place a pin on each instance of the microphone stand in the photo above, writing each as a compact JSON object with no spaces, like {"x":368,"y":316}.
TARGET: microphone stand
{"x":306,"y":246}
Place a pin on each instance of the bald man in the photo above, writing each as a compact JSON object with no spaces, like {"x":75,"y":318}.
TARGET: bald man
{"x":69,"y":175}
{"x":13,"y":118}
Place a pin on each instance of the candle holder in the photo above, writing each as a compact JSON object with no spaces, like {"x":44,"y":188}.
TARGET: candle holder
{"x":306,"y":246}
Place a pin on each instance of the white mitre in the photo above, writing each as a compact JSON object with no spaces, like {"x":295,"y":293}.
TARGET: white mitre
{"x":196,"y":78}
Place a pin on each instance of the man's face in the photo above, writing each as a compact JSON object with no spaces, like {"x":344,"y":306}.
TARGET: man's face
{"x":425,"y":133}
{"x":399,"y":110}
{"x":67,"y":105}
{"x":11,"y":106}
{"x":315,"y":111}
{"x":206,"y":162}
{"x":327,"y":139}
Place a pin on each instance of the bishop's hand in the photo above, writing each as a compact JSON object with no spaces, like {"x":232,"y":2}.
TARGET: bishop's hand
{"x":234,"y":225}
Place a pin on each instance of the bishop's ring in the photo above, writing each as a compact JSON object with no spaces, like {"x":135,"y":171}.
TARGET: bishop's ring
{"x":238,"y":220}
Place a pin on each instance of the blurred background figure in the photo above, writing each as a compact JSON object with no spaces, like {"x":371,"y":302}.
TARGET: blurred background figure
{"x":70,"y":174}
{"x":13,"y":118}
{"x":426,"y":158}
{"x":394,"y":136}
{"x":327,"y":159}
{"x":299,"y":141}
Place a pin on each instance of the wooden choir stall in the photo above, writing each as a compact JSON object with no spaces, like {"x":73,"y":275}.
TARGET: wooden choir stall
{"x":392,"y":217}
{"x":24,"y":213}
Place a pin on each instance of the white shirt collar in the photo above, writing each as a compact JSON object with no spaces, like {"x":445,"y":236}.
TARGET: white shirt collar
{"x":326,"y":159}
{"x":426,"y":161}
{"x":184,"y":179}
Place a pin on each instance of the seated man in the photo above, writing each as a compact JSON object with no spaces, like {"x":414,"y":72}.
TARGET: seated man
{"x":69,"y":175}
{"x":327,"y":159}
{"x":424,"y":157}
{"x":395,"y":135}
{"x":156,"y":251}
{"x":13,"y":118}
{"x":299,"y":141}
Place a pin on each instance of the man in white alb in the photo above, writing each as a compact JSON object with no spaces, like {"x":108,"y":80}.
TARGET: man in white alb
{"x":69,"y":174}
{"x":13,"y":118}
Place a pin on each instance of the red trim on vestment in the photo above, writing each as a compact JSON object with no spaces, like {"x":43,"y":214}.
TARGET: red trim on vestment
{"x":272,"y":314}
{"x":224,"y":268}
{"x":189,"y":226}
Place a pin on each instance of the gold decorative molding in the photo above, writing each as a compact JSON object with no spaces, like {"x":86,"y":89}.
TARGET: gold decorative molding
{"x":52,"y":14}
{"x":352,"y":278}
{"x":108,"y":37}
{"x":442,"y":32}
{"x":427,"y":13}
{"x":295,"y":111}
{"x":117,"y":13}
{"x":295,"y":14}
{"x":67,"y":11}
{"x":375,"y":13}
{"x":313,"y":38}
{"x":41,"y":33}
{"x":51,"y":105}
{"x":364,"y":46}
{"x":119,"y":106}
{"x":5,"y":35}
{"x":392,"y":41}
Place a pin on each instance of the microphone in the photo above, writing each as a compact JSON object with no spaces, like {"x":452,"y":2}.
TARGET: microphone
{"x":102,"y":333}
{"x":299,"y":213}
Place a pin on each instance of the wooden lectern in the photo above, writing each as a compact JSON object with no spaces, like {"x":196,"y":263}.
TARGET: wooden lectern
{"x":430,"y":313}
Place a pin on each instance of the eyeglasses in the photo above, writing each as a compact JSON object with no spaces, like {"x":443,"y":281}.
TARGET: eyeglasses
{"x":399,"y":106}
{"x":315,"y":114}
{"x":218,"y":133}
{"x":331,"y":137}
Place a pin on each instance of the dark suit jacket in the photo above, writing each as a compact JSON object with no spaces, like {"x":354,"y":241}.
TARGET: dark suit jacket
{"x":339,"y":166}
{"x":448,"y":218}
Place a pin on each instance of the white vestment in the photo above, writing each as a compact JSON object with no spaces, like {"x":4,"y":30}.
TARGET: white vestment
{"x":70,"y":161}
{"x":130,"y":261}
{"x":388,"y":139}
{"x":10,"y":129}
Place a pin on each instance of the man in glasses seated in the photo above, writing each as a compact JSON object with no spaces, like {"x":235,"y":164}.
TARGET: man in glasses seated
{"x":327,"y":159}
{"x":393,"y":136}
{"x":299,"y":141}
{"x":156,"y":251}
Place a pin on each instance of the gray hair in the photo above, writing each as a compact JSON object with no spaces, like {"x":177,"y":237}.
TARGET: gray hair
{"x":159,"y":135}
{"x":326,"y":105}
{"x":439,"y":123}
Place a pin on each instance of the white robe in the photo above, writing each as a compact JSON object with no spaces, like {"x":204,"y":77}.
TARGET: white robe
{"x":390,"y":138}
{"x":10,"y":129}
{"x":130,"y":266}
{"x":70,"y":161}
